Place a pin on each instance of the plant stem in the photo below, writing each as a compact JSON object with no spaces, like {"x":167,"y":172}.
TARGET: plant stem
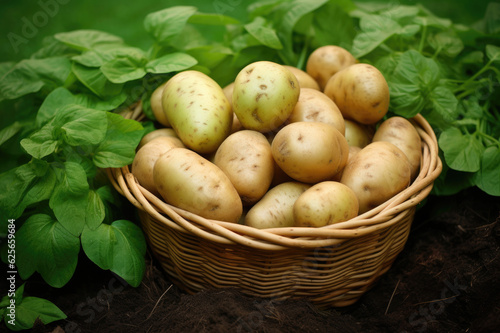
{"x":422,"y":39}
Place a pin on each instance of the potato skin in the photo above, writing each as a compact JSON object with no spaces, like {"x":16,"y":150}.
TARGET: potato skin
{"x":327,"y":60}
{"x":168,"y":132}
{"x":246,"y":158}
{"x":315,"y":106}
{"x":325,"y":203}
{"x":275,"y":209}
{"x":357,"y":134}
{"x":305,"y":80}
{"x":146,"y":157}
{"x":197,"y":110}
{"x":186,"y":180}
{"x":401,"y":132}
{"x":264,"y":95}
{"x":310,"y":152}
{"x":377,"y":173}
{"x":361,"y":93}
{"x":156,"y":105}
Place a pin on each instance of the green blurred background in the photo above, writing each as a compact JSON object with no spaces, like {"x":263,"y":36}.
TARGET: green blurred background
{"x":24,"y":23}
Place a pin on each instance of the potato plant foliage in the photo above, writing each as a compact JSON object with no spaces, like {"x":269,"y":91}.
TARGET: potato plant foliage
{"x":61,"y":125}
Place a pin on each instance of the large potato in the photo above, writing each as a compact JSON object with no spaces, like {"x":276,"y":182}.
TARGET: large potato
{"x":401,"y":132}
{"x":325,"y":203}
{"x":313,"y":105}
{"x":264,"y":95}
{"x":357,"y":134}
{"x":146,"y":157}
{"x":275,"y":209}
{"x":168,"y":132}
{"x":377,"y":173}
{"x":327,"y":60}
{"x":197,"y":110}
{"x":361,"y":93}
{"x":310,"y":151}
{"x":305,"y":80}
{"x":246,"y":158}
{"x":188,"y":181}
{"x":156,"y":105}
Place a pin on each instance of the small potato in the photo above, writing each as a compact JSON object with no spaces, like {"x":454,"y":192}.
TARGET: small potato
{"x":168,"y":132}
{"x":264,"y":95}
{"x":315,"y":106}
{"x":188,"y":181}
{"x":361,"y":93}
{"x":325,"y":203}
{"x":305,"y":80}
{"x":377,"y":173}
{"x":275,"y":209}
{"x":156,"y":106}
{"x":401,"y":132}
{"x":310,"y":152}
{"x":353,"y":150}
{"x":146,"y":157}
{"x":228,"y":91}
{"x":246,"y":158}
{"x":327,"y":60}
{"x":357,"y":134}
{"x":197,"y":110}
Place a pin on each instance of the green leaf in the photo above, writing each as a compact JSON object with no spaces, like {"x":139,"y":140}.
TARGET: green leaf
{"x":493,"y":53}
{"x":445,"y":104}
{"x":119,"y":247}
{"x":446,"y":42}
{"x":95,"y":81}
{"x":488,"y":176}
{"x":31,"y":75}
{"x":375,"y":30}
{"x":125,"y":68}
{"x":31,"y":309}
{"x":462,"y":152}
{"x":118,"y":147}
{"x":172,"y":62}
{"x":13,"y":185}
{"x":80,"y":125}
{"x":9,"y":131}
{"x":74,"y":178}
{"x":259,"y":29}
{"x":95,"y":210}
{"x":332,"y":17}
{"x":83,"y":40}
{"x":45,"y":246}
{"x":212,"y":19}
{"x":165,"y":24}
{"x":41,"y":143}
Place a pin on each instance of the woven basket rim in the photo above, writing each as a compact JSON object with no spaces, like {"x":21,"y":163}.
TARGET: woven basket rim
{"x":382,"y":216}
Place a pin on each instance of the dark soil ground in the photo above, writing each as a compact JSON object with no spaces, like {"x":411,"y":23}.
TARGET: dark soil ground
{"x":445,"y":280}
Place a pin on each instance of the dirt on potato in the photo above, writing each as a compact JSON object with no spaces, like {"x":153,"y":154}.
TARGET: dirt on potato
{"x":445,"y":280}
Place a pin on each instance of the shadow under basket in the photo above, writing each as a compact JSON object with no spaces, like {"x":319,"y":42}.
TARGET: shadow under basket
{"x":331,"y":266}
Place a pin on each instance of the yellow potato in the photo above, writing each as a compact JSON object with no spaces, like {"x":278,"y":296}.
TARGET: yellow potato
{"x":353,"y":150}
{"x":361,"y":93}
{"x":325,"y":203}
{"x":246,"y":158}
{"x":156,"y":106}
{"x":357,"y":134}
{"x":310,"y":152}
{"x":146,"y":157}
{"x":313,"y":105}
{"x":377,"y":173}
{"x":186,"y":180}
{"x":275,"y":209}
{"x":327,"y":60}
{"x":168,"y":132}
{"x":401,"y":132}
{"x":305,"y":80}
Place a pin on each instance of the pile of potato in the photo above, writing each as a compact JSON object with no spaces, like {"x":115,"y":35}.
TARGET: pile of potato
{"x":279,"y":147}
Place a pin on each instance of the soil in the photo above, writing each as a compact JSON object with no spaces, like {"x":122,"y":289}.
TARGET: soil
{"x":445,"y":280}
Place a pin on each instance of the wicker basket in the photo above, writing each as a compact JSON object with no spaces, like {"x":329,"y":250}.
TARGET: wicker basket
{"x":331,"y":266}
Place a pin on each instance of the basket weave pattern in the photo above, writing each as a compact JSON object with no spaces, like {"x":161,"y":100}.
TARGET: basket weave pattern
{"x":330,"y":266}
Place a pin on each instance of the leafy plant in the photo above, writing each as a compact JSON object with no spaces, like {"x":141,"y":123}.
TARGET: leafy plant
{"x":62,"y":125}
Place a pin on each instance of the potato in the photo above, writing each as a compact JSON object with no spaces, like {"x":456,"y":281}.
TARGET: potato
{"x":168,"y":132}
{"x":310,"y":152}
{"x":264,"y":95}
{"x":156,"y":105}
{"x":401,"y":132}
{"x":313,"y":105}
{"x":275,"y":209}
{"x":361,"y":93}
{"x":305,"y":80}
{"x":327,"y":60}
{"x":146,"y":157}
{"x":246,"y":158}
{"x":325,"y":203}
{"x":357,"y":134}
{"x":186,"y":180}
{"x":197,"y":110}
{"x":377,"y":173}
{"x":228,"y":92}
{"x":353,"y":150}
